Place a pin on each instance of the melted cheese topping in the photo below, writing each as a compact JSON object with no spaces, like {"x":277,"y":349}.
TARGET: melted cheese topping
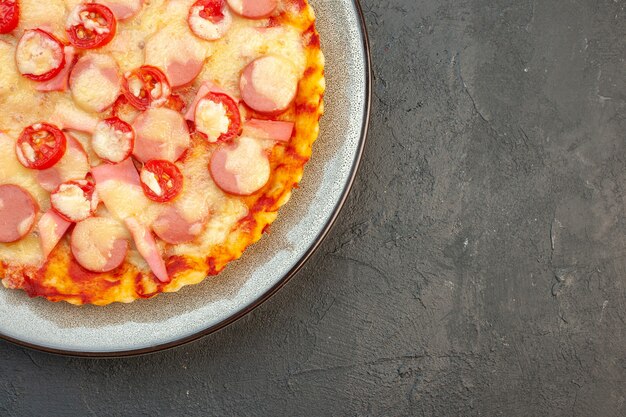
{"x":70,"y":200}
{"x":109,"y":143}
{"x":50,"y":18}
{"x":150,"y":179}
{"x":212,"y":119}
{"x":37,"y":54}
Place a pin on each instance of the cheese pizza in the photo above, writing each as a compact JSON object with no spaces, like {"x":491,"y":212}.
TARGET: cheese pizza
{"x":145,"y":144}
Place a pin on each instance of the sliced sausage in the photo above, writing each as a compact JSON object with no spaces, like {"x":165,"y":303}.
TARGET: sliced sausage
{"x":160,"y":133}
{"x":177,"y":53}
{"x":51,"y":229}
{"x":269,"y":84}
{"x":74,"y":165}
{"x":60,"y":81}
{"x":240,"y":168}
{"x":172,"y":227}
{"x":253,"y":9}
{"x":95,"y":82}
{"x":147,"y":247}
{"x":124,"y":172}
{"x":123,"y":9}
{"x":99,"y":244}
{"x":268,"y":129}
{"x":119,"y":188}
{"x":18,"y":211}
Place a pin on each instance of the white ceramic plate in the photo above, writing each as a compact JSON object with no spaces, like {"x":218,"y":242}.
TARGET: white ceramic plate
{"x":172,"y":319}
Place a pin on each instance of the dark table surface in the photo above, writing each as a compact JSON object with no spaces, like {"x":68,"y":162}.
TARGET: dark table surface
{"x":477,"y":269}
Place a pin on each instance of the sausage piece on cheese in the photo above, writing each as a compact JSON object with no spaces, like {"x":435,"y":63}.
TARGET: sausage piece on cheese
{"x":123,"y":9}
{"x":172,"y":227}
{"x":160,"y":133}
{"x":95,"y":82}
{"x":99,"y":244}
{"x":253,"y":9}
{"x":147,"y":247}
{"x":51,"y":229}
{"x":269,"y":129}
{"x":18,"y":211}
{"x":240,"y":168}
{"x":269,"y":84}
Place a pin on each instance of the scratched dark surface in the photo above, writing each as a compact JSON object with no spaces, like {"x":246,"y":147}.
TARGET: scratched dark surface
{"x":479,"y":267}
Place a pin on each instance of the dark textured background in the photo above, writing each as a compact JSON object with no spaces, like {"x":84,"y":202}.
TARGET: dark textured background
{"x":477,"y":269}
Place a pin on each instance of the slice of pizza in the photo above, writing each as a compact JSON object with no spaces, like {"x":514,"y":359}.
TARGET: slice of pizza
{"x":145,"y":145}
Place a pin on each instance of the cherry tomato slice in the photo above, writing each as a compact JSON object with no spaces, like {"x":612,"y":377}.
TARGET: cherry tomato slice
{"x":40,"y":146}
{"x":211,"y":10}
{"x":231,"y":112}
{"x":146,"y":87}
{"x":9,"y":15}
{"x":91,"y":25}
{"x":63,"y":200}
{"x":29,"y":52}
{"x":161,"y":181}
{"x":113,"y":140}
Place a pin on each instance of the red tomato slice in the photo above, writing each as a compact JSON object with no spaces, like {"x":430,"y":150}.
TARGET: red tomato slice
{"x":40,"y":146}
{"x":91,"y":25}
{"x":9,"y":15}
{"x":146,"y":87}
{"x":161,"y":181}
{"x":75,"y":201}
{"x":34,"y":64}
{"x":210,"y":112}
{"x":113,"y":140}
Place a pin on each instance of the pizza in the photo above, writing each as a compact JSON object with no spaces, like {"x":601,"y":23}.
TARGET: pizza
{"x":145,"y":144}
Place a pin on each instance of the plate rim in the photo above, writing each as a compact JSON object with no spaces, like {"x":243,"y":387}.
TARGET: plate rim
{"x":288,"y":276}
